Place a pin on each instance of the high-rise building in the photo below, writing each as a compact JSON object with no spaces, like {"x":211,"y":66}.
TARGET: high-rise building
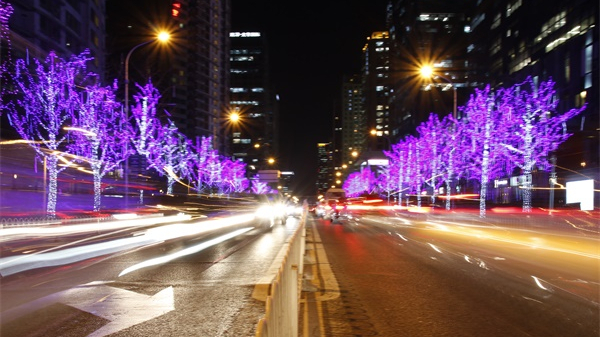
{"x":325,"y":167}
{"x":559,"y":42}
{"x":354,"y":119}
{"x":253,"y":137}
{"x":65,"y":27}
{"x":377,"y":87}
{"x":35,"y":28}
{"x":427,"y":33}
{"x":200,"y":76}
{"x":191,"y":71}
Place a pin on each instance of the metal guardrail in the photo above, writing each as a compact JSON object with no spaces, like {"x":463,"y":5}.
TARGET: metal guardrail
{"x":283,"y":301}
{"x":12,"y":222}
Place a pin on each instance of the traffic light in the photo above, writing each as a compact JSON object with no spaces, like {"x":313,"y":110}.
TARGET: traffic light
{"x":175,"y":9}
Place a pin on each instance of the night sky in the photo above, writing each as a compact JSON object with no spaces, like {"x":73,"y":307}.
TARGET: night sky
{"x":312,"y":44}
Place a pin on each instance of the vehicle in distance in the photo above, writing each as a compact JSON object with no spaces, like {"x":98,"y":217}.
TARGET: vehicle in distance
{"x":336,"y":211}
{"x":272,"y":209}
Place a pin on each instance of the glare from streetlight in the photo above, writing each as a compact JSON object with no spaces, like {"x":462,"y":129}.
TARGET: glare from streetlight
{"x":234,"y":117}
{"x":163,"y":36}
{"x":426,"y":71}
{"x":271,"y":160}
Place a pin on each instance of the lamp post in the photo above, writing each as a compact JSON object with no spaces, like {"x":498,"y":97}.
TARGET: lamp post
{"x":428,"y":72}
{"x":163,"y":37}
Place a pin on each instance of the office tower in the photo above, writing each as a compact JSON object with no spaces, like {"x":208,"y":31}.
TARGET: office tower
{"x":65,"y":27}
{"x":253,"y":137}
{"x":559,"y":42}
{"x":325,"y":167}
{"x":354,"y":120}
{"x":191,"y":70}
{"x":427,"y":33}
{"x":376,"y":69}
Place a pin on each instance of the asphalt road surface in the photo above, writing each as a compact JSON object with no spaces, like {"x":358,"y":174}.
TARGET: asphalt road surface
{"x":193,"y":285}
{"x":419,"y":275}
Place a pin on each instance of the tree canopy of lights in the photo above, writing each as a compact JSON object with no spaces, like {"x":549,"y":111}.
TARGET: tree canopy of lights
{"x":46,"y":100}
{"x":362,"y":182}
{"x":6,"y":11}
{"x":147,"y":124}
{"x":169,"y":151}
{"x":537,"y":129}
{"x":100,"y":133}
{"x":431,"y":134}
{"x":486,"y":128}
{"x":259,"y":187}
{"x":501,"y":129}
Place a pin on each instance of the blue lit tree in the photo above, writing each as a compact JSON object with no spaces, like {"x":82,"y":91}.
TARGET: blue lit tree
{"x":100,"y":134}
{"x":535,"y":128}
{"x":47,"y":97}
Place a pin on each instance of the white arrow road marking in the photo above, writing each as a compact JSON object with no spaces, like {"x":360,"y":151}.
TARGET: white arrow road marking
{"x":122,"y":308}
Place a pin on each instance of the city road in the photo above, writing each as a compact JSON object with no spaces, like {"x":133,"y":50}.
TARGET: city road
{"x":411,"y":274}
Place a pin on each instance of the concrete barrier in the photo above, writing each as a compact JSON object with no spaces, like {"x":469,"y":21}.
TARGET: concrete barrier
{"x":283,"y":300}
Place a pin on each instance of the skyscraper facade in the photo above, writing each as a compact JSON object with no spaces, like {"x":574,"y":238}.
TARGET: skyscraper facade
{"x":65,"y":27}
{"x":253,"y":138}
{"x":376,"y":70}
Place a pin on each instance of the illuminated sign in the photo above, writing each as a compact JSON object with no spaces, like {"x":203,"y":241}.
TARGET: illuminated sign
{"x":378,"y":162}
{"x":581,"y":192}
{"x":244,"y":34}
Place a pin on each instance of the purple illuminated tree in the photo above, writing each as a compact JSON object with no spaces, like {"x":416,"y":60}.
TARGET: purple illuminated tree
{"x":47,"y":98}
{"x":536,"y":128}
{"x":100,"y":133}
{"x":259,"y":187}
{"x":386,"y":180}
{"x":395,"y":175}
{"x":486,"y":131}
{"x":432,"y":138}
{"x":168,"y":151}
{"x":233,"y":177}
{"x":147,"y":124}
{"x":201,"y":163}
{"x":452,"y":148}
{"x":6,"y":11}
{"x":362,"y":182}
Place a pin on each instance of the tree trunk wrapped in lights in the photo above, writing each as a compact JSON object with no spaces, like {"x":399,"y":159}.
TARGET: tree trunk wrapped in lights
{"x":486,"y":129}
{"x":536,"y":129}
{"x":101,"y":133}
{"x":46,"y":97}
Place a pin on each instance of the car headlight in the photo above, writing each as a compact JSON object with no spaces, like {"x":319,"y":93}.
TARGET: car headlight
{"x":265,"y":211}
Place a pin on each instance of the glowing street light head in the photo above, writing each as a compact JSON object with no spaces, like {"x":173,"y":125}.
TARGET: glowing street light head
{"x":271,"y":160}
{"x":234,"y":117}
{"x":426,"y":71}
{"x":163,"y":36}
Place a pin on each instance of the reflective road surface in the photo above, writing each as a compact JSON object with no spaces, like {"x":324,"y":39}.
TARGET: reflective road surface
{"x":178,"y":279}
{"x":400,"y":273}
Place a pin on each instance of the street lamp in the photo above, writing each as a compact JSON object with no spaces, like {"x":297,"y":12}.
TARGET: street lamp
{"x":428,"y":72}
{"x":162,"y":37}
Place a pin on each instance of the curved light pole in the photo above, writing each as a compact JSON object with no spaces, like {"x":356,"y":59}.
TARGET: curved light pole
{"x":163,"y":37}
{"x":428,"y":72}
